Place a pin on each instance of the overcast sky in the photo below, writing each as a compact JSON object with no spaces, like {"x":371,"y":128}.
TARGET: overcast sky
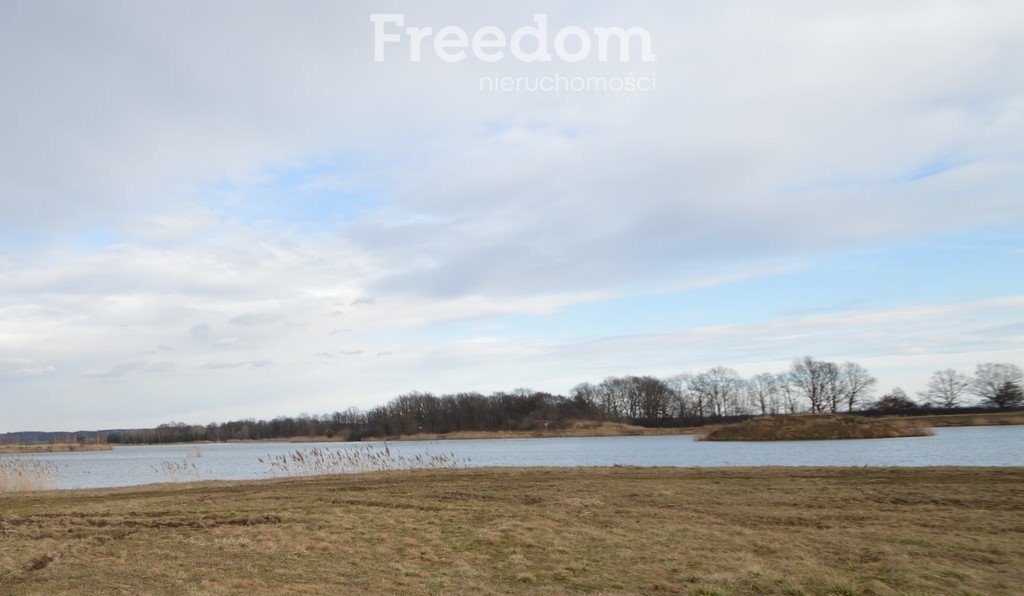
{"x":215,"y":210}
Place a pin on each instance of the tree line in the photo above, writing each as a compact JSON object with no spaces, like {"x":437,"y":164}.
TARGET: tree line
{"x":717,"y":394}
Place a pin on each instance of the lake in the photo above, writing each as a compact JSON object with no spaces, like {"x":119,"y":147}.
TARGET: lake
{"x":134,"y":465}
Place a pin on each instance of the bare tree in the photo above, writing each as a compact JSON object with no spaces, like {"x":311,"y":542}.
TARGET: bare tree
{"x":788,"y":393}
{"x":585,"y":397}
{"x":815,"y":380}
{"x":856,"y":384}
{"x":683,"y":403}
{"x":612,"y":398}
{"x":947,"y":388}
{"x":1009,"y":396}
{"x":653,"y":395}
{"x":764,"y":393}
{"x":894,"y":401}
{"x":717,"y":391}
{"x":995,"y":384}
{"x":834,"y":389}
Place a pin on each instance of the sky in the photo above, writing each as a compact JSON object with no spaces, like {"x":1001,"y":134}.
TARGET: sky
{"x":214,"y":210}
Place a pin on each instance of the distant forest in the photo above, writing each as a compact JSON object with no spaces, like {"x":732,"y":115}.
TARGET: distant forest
{"x":715,"y":395}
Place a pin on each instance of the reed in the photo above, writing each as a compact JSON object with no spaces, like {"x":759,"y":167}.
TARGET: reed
{"x":320,"y":461}
{"x":178,"y":471}
{"x":26,"y":474}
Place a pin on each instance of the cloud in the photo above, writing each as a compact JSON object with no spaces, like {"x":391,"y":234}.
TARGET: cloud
{"x":246,"y":364}
{"x":249,"y":319}
{"x":127,"y":369}
{"x":242,"y":177}
{"x":200,"y":331}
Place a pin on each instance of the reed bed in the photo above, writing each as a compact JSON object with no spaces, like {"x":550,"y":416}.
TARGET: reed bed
{"x":178,"y":471}
{"x":26,"y":474}
{"x":320,"y":461}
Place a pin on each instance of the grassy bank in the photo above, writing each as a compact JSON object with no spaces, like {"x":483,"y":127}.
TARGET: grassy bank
{"x":983,"y":419}
{"x":618,"y":429}
{"x":768,"y":530}
{"x":818,"y":428}
{"x":576,"y":429}
{"x":51,"y":448}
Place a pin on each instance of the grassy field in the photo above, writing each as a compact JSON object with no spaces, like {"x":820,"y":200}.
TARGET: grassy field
{"x":700,"y":531}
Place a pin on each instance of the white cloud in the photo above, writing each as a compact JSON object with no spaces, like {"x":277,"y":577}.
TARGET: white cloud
{"x":161,"y":132}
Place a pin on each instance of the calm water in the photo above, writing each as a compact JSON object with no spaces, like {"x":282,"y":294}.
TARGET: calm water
{"x":967,"y":446}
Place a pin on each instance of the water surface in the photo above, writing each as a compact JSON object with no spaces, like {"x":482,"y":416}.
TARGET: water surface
{"x":961,"y":446}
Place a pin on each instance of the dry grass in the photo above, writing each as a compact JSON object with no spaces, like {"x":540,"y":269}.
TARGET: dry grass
{"x":51,"y":448}
{"x":819,"y":427}
{"x":986,"y":419}
{"x":581,"y":428}
{"x":22,"y":475}
{"x":620,"y":530}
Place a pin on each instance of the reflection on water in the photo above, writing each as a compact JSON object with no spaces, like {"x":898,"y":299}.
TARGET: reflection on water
{"x":969,"y":446}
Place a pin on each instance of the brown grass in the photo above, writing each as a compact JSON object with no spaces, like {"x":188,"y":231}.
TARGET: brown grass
{"x":819,"y":427}
{"x":51,"y":448}
{"x":618,"y":530}
{"x":22,"y":475}
{"x":984,"y":419}
{"x":580,"y":428}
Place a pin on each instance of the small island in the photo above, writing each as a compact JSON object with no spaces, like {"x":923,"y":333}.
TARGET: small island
{"x":52,"y":448}
{"x":817,"y":428}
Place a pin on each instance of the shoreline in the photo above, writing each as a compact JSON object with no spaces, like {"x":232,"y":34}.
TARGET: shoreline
{"x":579,"y":430}
{"x":52,"y":448}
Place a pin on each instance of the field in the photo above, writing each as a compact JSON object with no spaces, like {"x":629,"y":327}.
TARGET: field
{"x":701,"y":531}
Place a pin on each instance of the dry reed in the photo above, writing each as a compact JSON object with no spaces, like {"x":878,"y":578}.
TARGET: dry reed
{"x":177,"y":471}
{"x":321,"y":461}
{"x":26,"y":474}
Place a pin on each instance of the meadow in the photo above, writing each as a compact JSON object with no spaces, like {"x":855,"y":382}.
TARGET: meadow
{"x":698,"y":531}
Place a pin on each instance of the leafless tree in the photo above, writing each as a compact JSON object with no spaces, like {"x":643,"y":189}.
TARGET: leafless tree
{"x":717,"y":391}
{"x":612,"y":398}
{"x":947,"y":388}
{"x":764,"y":393}
{"x":683,"y":403}
{"x":815,"y":380}
{"x":857,"y":384}
{"x":788,"y":394}
{"x":998,"y":384}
